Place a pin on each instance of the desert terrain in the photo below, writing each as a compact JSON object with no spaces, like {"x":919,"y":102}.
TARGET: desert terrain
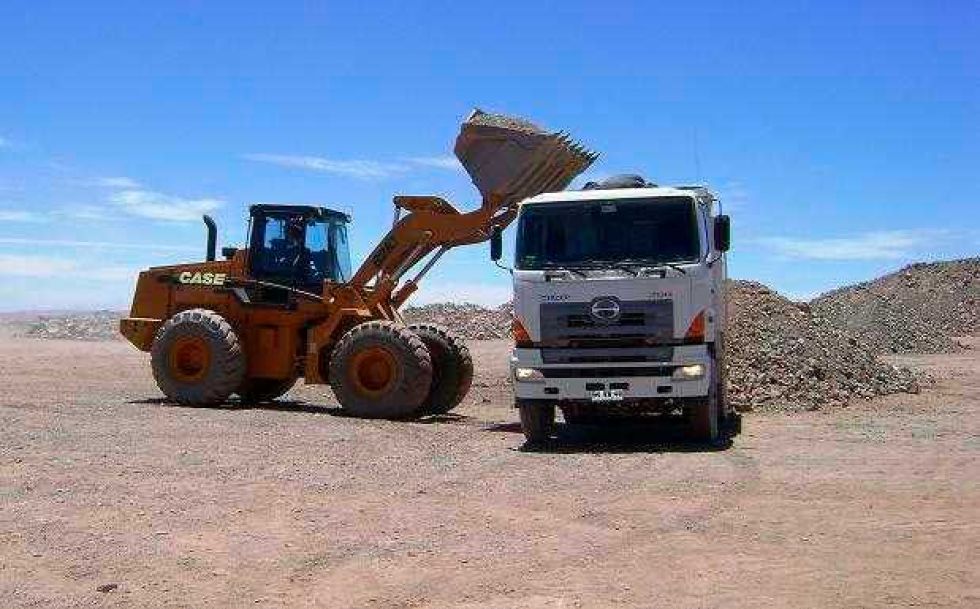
{"x":110,"y":497}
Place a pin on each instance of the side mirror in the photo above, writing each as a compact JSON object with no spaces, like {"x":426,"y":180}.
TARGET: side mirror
{"x":723,"y":233}
{"x":496,"y":243}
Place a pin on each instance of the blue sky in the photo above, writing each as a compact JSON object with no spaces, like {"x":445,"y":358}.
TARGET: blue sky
{"x":844,"y":137}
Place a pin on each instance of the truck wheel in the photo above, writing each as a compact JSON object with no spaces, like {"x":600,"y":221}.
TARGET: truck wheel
{"x":197,"y":358}
{"x":537,"y":420}
{"x":706,"y":416}
{"x":258,"y":390}
{"x":452,"y":368}
{"x":381,"y":370}
{"x":575,"y":415}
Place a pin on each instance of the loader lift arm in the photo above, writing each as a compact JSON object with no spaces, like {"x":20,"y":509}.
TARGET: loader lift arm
{"x":508,"y":160}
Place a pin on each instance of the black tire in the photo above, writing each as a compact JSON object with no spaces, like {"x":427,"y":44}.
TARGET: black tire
{"x":381,"y":370}
{"x":197,"y":358}
{"x":537,"y":420}
{"x":705,"y":418}
{"x":452,"y":368}
{"x":724,"y":405}
{"x":258,"y":390}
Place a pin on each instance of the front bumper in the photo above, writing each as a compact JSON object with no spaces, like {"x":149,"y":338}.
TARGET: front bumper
{"x":632,"y":380}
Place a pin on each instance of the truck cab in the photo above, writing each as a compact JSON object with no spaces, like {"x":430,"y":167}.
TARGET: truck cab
{"x":619,"y":306}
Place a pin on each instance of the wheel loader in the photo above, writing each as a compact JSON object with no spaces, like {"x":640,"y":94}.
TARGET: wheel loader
{"x":288,"y":305}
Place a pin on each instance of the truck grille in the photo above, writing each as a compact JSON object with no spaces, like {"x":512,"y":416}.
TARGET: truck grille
{"x":638,"y":319}
{"x":587,"y":355}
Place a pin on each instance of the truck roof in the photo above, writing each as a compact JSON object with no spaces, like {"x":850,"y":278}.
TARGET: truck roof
{"x":698,"y":192}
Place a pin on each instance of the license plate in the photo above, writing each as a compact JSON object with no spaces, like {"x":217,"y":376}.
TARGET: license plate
{"x":607,"y":395}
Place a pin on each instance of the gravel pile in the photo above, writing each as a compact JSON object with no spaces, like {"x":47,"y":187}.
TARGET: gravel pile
{"x":99,"y":325}
{"x":507,"y":122}
{"x":469,"y":320}
{"x":914,"y":310}
{"x":782,"y":357}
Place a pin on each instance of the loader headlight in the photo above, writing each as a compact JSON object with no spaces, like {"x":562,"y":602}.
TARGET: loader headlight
{"x":688,"y":373}
{"x":528,"y":375}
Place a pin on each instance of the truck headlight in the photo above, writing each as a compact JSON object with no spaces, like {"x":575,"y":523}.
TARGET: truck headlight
{"x":528,"y":375}
{"x":688,"y":373}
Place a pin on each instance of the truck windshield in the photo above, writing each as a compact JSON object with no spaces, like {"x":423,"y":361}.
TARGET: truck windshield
{"x":595,"y":233}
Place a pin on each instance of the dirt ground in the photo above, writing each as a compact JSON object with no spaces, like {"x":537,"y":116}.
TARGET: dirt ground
{"x":102,"y":484}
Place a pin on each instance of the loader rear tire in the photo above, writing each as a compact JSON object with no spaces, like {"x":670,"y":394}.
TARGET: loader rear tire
{"x":197,"y":358}
{"x":381,"y":370}
{"x":258,"y":390}
{"x":452,"y":368}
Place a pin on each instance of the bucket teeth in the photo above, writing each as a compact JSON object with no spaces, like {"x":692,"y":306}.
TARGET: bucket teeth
{"x":510,"y":159}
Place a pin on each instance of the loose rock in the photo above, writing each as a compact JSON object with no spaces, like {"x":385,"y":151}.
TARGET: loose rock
{"x":915,"y":310}
{"x":468,"y":320}
{"x":98,"y":325}
{"x":782,"y":357}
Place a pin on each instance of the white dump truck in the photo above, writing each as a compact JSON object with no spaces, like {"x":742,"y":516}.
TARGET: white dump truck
{"x":619,"y":306}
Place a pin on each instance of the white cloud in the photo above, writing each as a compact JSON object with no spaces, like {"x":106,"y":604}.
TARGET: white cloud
{"x":160,"y":206}
{"x":117,"y":182}
{"x":60,"y":243}
{"x":734,"y":196}
{"x":85,"y":212}
{"x":18,"y":265}
{"x":360,"y":169}
{"x":35,"y":266}
{"x":876,"y":245}
{"x":16,"y":215}
{"x":438,"y":162}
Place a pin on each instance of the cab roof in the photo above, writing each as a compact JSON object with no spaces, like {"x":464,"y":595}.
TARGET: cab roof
{"x":568,"y":196}
{"x":307,"y":210}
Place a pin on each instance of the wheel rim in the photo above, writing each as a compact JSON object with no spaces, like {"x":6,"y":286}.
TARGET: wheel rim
{"x":190,"y":359}
{"x":373,"y":371}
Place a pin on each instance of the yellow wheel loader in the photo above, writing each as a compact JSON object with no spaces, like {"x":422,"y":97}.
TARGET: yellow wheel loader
{"x":288,"y":306}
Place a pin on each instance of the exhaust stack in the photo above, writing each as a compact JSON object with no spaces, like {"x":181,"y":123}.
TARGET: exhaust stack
{"x":211,"y":252}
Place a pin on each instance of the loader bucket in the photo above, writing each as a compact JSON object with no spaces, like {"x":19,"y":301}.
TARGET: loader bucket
{"x":510,"y":159}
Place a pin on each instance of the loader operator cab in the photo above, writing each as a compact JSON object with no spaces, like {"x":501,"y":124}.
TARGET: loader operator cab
{"x":298,"y":246}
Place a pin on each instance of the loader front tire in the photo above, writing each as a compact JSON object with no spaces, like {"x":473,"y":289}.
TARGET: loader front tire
{"x":452,"y":368}
{"x":381,"y":370}
{"x":197,"y":358}
{"x":258,"y":390}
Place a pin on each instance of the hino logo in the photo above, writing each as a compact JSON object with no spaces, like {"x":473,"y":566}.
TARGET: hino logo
{"x":605,"y":309}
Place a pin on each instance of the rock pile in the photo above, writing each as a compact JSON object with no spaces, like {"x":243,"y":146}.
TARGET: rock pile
{"x":507,"y":122}
{"x":916,"y":309}
{"x":99,"y":325}
{"x":780,"y":356}
{"x":469,"y":320}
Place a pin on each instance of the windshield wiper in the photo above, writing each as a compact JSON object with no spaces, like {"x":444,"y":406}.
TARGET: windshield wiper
{"x":655,"y":264}
{"x":555,"y":267}
{"x":600,"y":265}
{"x":675,"y":267}
{"x":625,"y":267}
